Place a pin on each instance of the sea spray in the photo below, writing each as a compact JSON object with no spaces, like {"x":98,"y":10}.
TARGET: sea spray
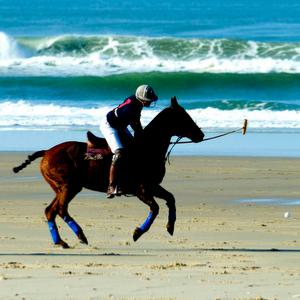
{"x":7,"y":47}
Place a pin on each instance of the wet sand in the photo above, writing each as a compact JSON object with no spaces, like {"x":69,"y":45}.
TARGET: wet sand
{"x":221,"y":248}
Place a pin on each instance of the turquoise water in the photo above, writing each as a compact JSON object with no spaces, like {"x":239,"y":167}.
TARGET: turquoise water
{"x":267,"y":20}
{"x":64,"y":64}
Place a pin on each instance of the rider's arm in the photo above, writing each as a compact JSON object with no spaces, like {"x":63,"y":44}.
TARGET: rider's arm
{"x":136,"y":126}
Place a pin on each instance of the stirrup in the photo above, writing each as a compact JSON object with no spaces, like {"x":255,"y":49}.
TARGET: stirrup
{"x":119,"y":191}
{"x":111,"y":192}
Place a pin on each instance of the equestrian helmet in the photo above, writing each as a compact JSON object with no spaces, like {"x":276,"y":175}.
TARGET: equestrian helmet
{"x":145,"y":93}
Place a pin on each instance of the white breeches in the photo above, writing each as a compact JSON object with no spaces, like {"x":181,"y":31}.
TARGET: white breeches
{"x":112,"y":135}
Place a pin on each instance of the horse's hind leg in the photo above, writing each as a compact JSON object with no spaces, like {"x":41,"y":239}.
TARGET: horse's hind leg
{"x":67,"y":193}
{"x":59,"y":206}
{"x":51,"y":213}
{"x":160,"y":192}
{"x":147,"y":198}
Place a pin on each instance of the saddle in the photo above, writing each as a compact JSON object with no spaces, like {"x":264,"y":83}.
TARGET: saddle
{"x":97,"y":148}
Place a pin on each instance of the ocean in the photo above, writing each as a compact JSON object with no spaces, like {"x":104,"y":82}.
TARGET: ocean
{"x":64,"y":64}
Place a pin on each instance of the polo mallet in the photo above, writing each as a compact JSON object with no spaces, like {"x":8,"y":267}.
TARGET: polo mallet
{"x":244,"y":130}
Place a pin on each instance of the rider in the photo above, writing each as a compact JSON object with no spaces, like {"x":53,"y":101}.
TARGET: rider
{"x":115,"y":125}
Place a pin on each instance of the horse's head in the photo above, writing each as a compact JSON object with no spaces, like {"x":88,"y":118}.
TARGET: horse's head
{"x":182,"y":125}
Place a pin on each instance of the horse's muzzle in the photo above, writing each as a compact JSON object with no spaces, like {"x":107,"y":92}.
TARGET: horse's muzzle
{"x":198,"y":138}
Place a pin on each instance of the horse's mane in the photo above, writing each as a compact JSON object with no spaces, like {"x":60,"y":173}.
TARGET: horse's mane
{"x":158,"y":120}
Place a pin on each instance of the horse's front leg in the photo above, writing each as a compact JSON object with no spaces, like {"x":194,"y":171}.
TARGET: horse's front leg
{"x":160,"y":192}
{"x":147,"y":197}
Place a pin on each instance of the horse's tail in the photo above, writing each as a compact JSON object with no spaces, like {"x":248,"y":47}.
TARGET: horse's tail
{"x":28,"y":161}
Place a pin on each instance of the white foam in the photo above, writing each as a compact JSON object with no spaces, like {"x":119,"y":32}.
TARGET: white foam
{"x":95,"y":65}
{"x":8,"y":48}
{"x":24,"y":114}
{"x":258,"y":119}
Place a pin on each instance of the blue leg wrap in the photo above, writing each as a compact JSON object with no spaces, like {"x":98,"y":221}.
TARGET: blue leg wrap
{"x":54,"y":232}
{"x":72,"y":224}
{"x":172,"y":216}
{"x":148,"y":222}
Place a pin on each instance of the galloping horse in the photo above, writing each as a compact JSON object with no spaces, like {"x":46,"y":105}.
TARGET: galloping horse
{"x":67,"y":172}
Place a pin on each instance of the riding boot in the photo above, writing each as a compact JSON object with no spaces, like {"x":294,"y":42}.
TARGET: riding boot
{"x":114,"y":175}
{"x":111,"y":190}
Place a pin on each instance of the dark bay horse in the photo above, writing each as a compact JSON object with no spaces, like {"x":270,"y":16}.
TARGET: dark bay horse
{"x":67,"y":172}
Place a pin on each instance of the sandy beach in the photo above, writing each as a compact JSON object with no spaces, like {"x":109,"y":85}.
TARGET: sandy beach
{"x":222,"y":248}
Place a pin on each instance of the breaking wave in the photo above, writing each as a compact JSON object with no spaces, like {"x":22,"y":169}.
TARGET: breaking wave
{"x":106,"y":55}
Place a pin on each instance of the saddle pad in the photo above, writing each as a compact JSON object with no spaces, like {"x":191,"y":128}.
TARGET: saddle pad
{"x":96,"y":154}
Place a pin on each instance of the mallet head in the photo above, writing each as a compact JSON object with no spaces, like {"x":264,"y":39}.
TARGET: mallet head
{"x":244,"y":129}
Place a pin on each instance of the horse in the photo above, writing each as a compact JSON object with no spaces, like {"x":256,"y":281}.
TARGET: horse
{"x":66,"y":170}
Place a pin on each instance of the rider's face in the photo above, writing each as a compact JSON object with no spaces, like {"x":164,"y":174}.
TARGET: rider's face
{"x":146,"y":103}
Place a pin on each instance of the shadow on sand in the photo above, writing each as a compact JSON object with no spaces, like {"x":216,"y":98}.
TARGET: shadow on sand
{"x":152,"y":252}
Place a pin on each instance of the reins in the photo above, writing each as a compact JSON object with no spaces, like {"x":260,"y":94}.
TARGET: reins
{"x":174,"y":144}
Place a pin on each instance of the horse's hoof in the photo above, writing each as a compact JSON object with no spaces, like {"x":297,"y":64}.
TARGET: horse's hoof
{"x":63,"y":244}
{"x":84,"y":241}
{"x":137,"y":233}
{"x":82,"y":238}
{"x":170,"y":228}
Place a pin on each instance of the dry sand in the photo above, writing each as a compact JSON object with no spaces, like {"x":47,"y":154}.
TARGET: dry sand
{"x":221,"y":249}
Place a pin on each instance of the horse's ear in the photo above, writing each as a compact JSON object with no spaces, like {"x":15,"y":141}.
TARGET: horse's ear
{"x":174,"y":102}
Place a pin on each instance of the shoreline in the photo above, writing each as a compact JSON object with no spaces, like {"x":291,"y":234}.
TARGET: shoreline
{"x":253,"y":144}
{"x":220,"y":249}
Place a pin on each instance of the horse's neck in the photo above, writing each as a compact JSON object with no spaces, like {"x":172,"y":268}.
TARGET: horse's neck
{"x":150,"y":149}
{"x":162,"y":142}
{"x":156,"y":140}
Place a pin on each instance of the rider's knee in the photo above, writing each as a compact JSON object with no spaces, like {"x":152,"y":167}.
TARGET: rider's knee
{"x":119,"y":153}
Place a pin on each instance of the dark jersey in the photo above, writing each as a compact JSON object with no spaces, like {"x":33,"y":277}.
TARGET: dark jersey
{"x":127,"y":113}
